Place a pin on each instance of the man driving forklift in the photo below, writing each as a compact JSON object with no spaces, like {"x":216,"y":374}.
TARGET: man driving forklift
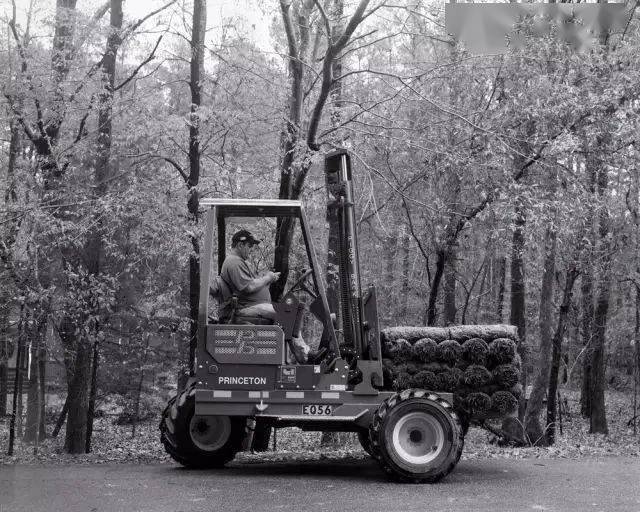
{"x":252,"y":291}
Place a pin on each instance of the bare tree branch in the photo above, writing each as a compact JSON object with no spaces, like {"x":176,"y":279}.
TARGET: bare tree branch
{"x":151,"y":56}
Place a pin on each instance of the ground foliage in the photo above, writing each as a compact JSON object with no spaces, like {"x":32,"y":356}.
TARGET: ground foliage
{"x":445,"y":144}
{"x":113,"y":443}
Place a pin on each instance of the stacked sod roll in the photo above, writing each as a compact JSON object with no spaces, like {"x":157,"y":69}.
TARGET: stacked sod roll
{"x":479,"y":364}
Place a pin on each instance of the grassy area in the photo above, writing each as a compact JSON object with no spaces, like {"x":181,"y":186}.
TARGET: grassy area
{"x":115,"y":444}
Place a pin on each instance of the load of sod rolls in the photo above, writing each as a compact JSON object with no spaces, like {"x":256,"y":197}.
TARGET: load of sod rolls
{"x":479,"y":364}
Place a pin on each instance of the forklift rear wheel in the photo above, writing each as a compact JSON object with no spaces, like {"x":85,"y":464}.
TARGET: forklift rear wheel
{"x":199,"y":441}
{"x":416,"y":436}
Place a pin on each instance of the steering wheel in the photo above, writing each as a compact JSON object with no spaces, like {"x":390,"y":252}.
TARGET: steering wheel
{"x":300,"y":284}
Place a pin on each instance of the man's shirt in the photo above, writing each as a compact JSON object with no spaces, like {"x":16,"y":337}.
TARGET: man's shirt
{"x":237,"y":273}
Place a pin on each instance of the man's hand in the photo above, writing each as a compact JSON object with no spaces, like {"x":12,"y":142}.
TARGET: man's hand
{"x":274,"y":276}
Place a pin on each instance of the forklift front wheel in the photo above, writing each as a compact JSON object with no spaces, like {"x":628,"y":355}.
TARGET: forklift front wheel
{"x":416,"y":436}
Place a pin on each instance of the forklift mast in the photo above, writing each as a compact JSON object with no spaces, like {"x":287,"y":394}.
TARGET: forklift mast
{"x":339,"y":180}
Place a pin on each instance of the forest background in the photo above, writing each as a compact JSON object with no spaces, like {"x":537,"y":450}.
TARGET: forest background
{"x":498,"y":188}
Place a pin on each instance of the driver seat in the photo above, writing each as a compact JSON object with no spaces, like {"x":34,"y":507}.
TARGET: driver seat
{"x":228,"y":305}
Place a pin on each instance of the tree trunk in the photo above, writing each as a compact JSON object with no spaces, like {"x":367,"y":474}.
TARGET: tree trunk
{"x":556,"y":354}
{"x":587,"y":337}
{"x":31,"y":428}
{"x":586,"y":289}
{"x":93,"y":387}
{"x":598,"y":417}
{"x":389,"y":285}
{"x":449,"y":289}
{"x":198,"y":31}
{"x":42,"y":370}
{"x":432,"y":312}
{"x":9,"y":234}
{"x":518,"y":293}
{"x":479,"y":310}
{"x":16,"y":413}
{"x":76,"y":433}
{"x":535,"y":404}
{"x":61,"y":418}
{"x":4,"y":387}
{"x":404,"y":285}
{"x":502,"y":278}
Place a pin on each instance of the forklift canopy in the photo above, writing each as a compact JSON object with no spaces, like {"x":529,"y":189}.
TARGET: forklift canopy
{"x":254,"y":207}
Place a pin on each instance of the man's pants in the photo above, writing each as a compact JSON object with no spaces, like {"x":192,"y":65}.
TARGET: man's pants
{"x":265,"y":310}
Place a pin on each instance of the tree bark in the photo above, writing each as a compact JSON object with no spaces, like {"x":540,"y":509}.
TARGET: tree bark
{"x":449,"y":289}
{"x":587,"y":293}
{"x":32,"y":428}
{"x":556,"y":354}
{"x":93,"y":388}
{"x":432,"y":312}
{"x":598,"y":417}
{"x":404,"y":284}
{"x":76,"y":432}
{"x":535,"y":404}
{"x":587,"y":337}
{"x":198,"y":31}
{"x":16,"y":413}
{"x":4,"y":387}
{"x":61,"y":418}
{"x":502,"y":278}
{"x":518,"y":293}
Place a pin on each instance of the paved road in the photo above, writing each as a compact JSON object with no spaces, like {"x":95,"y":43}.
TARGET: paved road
{"x":609,"y":484}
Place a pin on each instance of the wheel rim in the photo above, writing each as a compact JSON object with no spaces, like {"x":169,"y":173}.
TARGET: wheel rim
{"x":418,"y":438}
{"x":210,"y":433}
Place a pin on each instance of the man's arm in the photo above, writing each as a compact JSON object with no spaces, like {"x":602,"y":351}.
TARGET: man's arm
{"x":260,"y":282}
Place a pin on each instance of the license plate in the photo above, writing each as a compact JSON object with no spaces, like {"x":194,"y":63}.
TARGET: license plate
{"x":317,"y":410}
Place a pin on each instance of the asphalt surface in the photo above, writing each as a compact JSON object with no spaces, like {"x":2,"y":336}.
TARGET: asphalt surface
{"x":607,"y":484}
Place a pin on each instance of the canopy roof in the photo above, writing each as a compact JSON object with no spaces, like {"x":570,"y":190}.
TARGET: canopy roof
{"x":254,"y":207}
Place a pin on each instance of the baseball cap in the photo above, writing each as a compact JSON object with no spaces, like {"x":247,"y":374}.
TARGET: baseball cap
{"x":244,"y":236}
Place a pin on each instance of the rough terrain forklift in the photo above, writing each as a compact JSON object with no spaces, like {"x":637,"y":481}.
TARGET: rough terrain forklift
{"x":243,"y":375}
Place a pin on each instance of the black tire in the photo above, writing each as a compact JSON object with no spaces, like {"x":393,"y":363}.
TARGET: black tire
{"x":199,"y":442}
{"x":365,"y":442}
{"x":261,"y":437}
{"x":416,"y":436}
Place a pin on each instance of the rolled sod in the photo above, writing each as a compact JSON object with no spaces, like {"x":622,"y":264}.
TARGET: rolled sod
{"x":475,"y":351}
{"x":503,"y":402}
{"x":448,"y":352}
{"x":478,"y":404}
{"x":449,"y":380}
{"x":412,"y":368}
{"x":424,"y":380}
{"x":401,"y":350}
{"x":501,"y":351}
{"x":435,"y":367}
{"x":476,"y":376}
{"x":479,"y":365}
{"x":506,"y":375}
{"x":425,"y":350}
{"x":516,"y":390}
{"x":402,"y":381}
{"x":459,"y":333}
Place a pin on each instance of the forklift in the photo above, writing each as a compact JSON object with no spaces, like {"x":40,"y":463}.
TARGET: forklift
{"x":243,"y":379}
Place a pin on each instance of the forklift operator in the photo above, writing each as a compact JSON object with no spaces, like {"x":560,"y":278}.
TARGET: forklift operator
{"x":254,"y":298}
